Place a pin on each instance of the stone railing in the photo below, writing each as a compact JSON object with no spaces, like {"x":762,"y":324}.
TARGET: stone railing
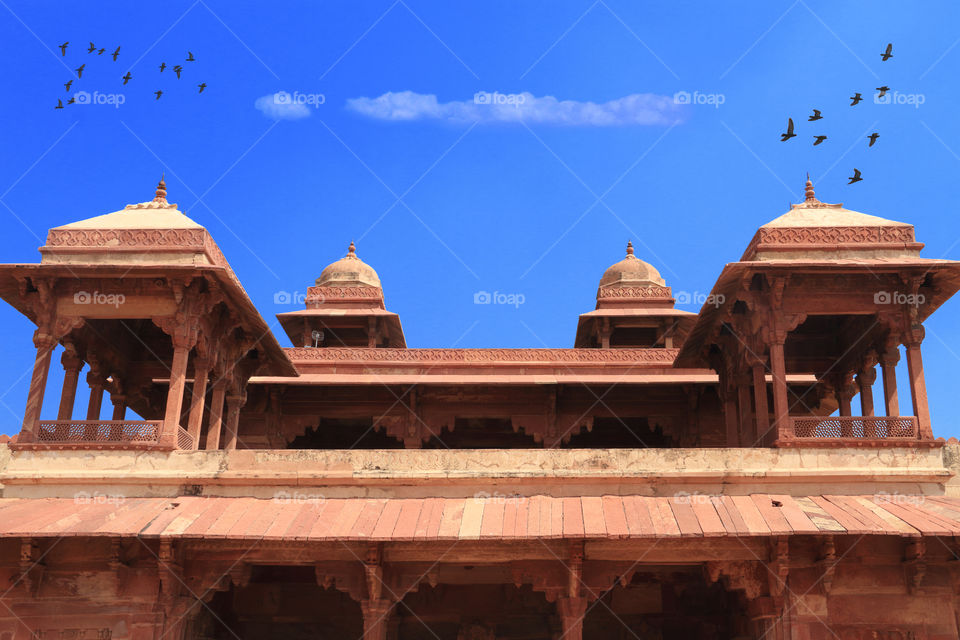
{"x":851,"y":430}
{"x":184,"y":440}
{"x":98,"y":433}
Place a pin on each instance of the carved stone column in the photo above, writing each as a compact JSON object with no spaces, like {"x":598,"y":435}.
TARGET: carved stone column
{"x":376,"y":618}
{"x":918,"y":386}
{"x":45,"y":344}
{"x":845,"y":390}
{"x":572,"y":611}
{"x":865,"y":379}
{"x":216,"y":413}
{"x":71,"y":368}
{"x":119,"y":406}
{"x":888,"y":367}
{"x":178,"y":376}
{"x":761,"y":409}
{"x":95,"y":379}
{"x":201,"y":372}
{"x":781,"y":409}
{"x":748,"y":437}
{"x":234,"y":403}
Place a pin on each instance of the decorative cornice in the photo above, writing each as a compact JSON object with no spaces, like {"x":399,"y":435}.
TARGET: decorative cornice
{"x":649,"y":292}
{"x":867,"y":237}
{"x":136,"y":240}
{"x":627,"y":356}
{"x":322,"y":294}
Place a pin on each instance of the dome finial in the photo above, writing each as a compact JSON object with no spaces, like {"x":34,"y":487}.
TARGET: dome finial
{"x":808,"y":191}
{"x":352,"y":250}
{"x":629,"y":248}
{"x":161,"y":190}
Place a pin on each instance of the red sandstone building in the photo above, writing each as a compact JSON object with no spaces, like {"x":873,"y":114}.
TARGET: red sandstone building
{"x":673,"y":475}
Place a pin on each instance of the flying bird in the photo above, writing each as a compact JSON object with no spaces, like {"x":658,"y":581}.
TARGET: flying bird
{"x":66,"y":85}
{"x":100,"y":52}
{"x":63,"y":48}
{"x":883,"y":90}
{"x":855,"y":99}
{"x":177,"y":69}
{"x":115,"y":54}
{"x":127,"y":78}
{"x":789,"y":134}
{"x":856,"y":176}
{"x":80,"y":70}
{"x":816,"y":116}
{"x":202,"y":85}
{"x":59,"y":104}
{"x":190,"y":57}
{"x":71,"y":100}
{"x":158,"y":94}
{"x":91,"y":48}
{"x":886,"y":55}
{"x":873,"y":138}
{"x":163,"y":65}
{"x":819,"y":139}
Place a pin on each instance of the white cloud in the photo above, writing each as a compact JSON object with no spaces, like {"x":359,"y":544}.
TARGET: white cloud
{"x":485,"y":107}
{"x":279,"y":106}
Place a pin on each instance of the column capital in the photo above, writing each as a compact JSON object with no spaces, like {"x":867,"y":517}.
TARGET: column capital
{"x":69,"y":359}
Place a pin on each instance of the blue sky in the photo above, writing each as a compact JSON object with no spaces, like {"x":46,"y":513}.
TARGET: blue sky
{"x":446,"y":199}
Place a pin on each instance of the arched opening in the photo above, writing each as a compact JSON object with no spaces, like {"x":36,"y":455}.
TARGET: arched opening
{"x":279,"y":602}
{"x":475,"y":611}
{"x":669,"y":603}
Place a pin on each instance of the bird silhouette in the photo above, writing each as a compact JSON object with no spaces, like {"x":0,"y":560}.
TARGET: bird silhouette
{"x":873,"y":138}
{"x":80,"y":70}
{"x":883,"y":90}
{"x":59,"y":104}
{"x":100,"y":52}
{"x":855,"y":177}
{"x":71,"y":100}
{"x":91,"y":48}
{"x":66,"y":85}
{"x":202,"y":85}
{"x":127,"y":78}
{"x":190,"y":57}
{"x":177,"y":69}
{"x":855,"y":99}
{"x":789,"y":134}
{"x":158,"y":93}
{"x":115,"y":54}
{"x":163,"y":65}
{"x":816,"y":116}
{"x":819,"y":139}
{"x":886,"y":55}
{"x":63,"y":48}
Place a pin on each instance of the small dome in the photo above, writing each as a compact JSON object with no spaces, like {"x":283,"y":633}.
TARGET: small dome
{"x":631,"y":272}
{"x":349,"y":271}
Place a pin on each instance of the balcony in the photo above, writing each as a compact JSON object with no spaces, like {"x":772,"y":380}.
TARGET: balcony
{"x":852,"y":431}
{"x":103,"y":434}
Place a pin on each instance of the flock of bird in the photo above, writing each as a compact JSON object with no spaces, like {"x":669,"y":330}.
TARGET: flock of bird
{"x":855,"y":99}
{"x":177,"y":69}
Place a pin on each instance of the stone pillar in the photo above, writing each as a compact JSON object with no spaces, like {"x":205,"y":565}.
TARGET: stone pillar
{"x":234,"y":403}
{"x":747,"y":436}
{"x":572,"y":611}
{"x":760,"y":402}
{"x":730,"y":418}
{"x":216,"y":413}
{"x":845,"y":390}
{"x":888,"y":367}
{"x":376,"y":615}
{"x":45,"y":344}
{"x":918,"y":386}
{"x":95,"y":380}
{"x":71,"y":374}
{"x":865,"y":379}
{"x":201,"y":372}
{"x":119,"y":406}
{"x":781,"y":409}
{"x":178,"y":375}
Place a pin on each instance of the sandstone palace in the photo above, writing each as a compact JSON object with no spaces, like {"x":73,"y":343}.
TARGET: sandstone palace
{"x":744,"y":472}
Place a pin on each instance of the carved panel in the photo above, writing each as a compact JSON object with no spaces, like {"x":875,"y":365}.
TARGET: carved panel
{"x":627,"y":356}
